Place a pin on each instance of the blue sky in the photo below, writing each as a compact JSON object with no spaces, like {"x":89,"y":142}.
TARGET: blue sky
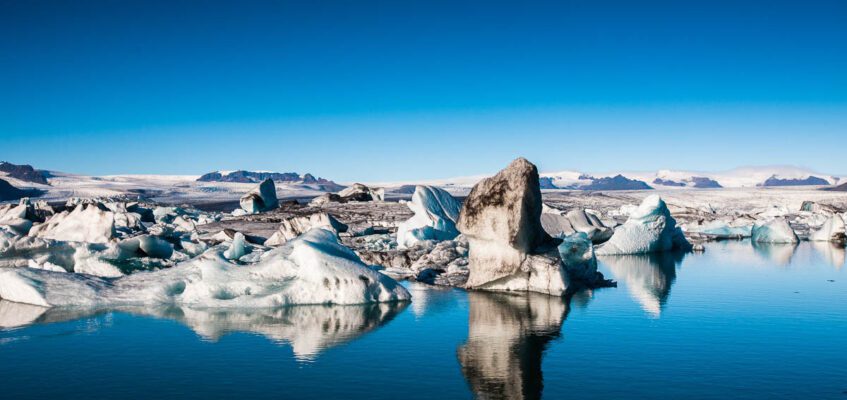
{"x":362,"y":90}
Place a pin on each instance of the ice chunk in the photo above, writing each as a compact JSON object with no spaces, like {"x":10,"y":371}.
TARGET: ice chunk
{"x":582,"y":221}
{"x":577,"y":253}
{"x":509,"y":249}
{"x":776,"y":230}
{"x":238,"y":247}
{"x":312,"y":269}
{"x":86,"y":223}
{"x":292,"y":227}
{"x":262,"y":198}
{"x":436,"y":213}
{"x":832,"y":231}
{"x":148,"y":246}
{"x":360,"y":192}
{"x":650,"y":228}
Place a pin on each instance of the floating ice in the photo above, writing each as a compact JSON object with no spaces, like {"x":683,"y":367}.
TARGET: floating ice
{"x":832,"y":230}
{"x":312,"y":269}
{"x":436,"y":213}
{"x":650,"y":228}
{"x":509,"y":249}
{"x":776,"y":230}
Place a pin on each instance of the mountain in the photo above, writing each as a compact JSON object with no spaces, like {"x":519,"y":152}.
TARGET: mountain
{"x":752,"y":177}
{"x":840,"y":188}
{"x":807,"y":181}
{"x":699,"y":182}
{"x":9,"y":192}
{"x":24,"y":173}
{"x":617,"y":182}
{"x":242,"y":176}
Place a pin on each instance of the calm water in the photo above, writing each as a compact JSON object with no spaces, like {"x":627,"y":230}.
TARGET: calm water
{"x":735,"y":322}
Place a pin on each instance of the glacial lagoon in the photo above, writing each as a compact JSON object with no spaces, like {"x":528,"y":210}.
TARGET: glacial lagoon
{"x":737,"y":321}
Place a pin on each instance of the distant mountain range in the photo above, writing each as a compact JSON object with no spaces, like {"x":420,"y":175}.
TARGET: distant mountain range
{"x":665,"y":179}
{"x":769,"y":176}
{"x":840,"y":188}
{"x":242,"y":176}
{"x":24,"y":173}
{"x":9,"y":192}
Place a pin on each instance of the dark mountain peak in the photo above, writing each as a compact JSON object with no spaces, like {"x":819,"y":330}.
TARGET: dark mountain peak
{"x":242,"y":176}
{"x":9,"y":192}
{"x":808,"y":181}
{"x":617,"y":182}
{"x":24,"y":172}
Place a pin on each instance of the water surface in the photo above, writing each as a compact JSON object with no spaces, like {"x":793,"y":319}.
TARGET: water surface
{"x":738,"y":321}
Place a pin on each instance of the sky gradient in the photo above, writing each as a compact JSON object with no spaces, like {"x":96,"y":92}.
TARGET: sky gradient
{"x":393,"y":90}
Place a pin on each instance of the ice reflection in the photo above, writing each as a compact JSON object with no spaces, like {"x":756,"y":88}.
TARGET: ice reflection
{"x":507,"y":336}
{"x":307,"y":329}
{"x":778,"y":253}
{"x":648,"y":277}
{"x":833,"y":253}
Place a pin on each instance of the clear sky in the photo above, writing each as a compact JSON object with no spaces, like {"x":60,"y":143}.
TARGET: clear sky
{"x":393,"y":90}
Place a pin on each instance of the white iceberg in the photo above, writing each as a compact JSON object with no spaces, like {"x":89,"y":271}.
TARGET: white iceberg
{"x":292,"y":227}
{"x":650,"y":228}
{"x":86,"y":223}
{"x":436,"y":213}
{"x":776,"y":230}
{"x":833,"y":230}
{"x":312,"y":269}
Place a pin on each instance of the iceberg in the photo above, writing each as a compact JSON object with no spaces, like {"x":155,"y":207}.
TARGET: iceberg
{"x":360,"y":192}
{"x":292,"y":227}
{"x":86,"y":223}
{"x":776,"y":230}
{"x":650,"y":228}
{"x":508,"y":248}
{"x":589,"y":224}
{"x":436,"y":213}
{"x":262,"y":198}
{"x":312,"y":269}
{"x":832,"y":230}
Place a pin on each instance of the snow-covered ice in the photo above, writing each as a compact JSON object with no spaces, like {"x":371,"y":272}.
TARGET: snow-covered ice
{"x":86,"y":223}
{"x":650,"y":228}
{"x":776,"y":230}
{"x":833,"y":230}
{"x":312,"y":269}
{"x":436,"y":213}
{"x":292,"y":227}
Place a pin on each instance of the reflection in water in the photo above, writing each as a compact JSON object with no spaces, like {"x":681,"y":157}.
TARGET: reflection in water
{"x":13,"y":315}
{"x":647,"y":276}
{"x":833,"y":253}
{"x":778,"y":253}
{"x":308,"y":329}
{"x":507,"y":336}
{"x":430,"y":300}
